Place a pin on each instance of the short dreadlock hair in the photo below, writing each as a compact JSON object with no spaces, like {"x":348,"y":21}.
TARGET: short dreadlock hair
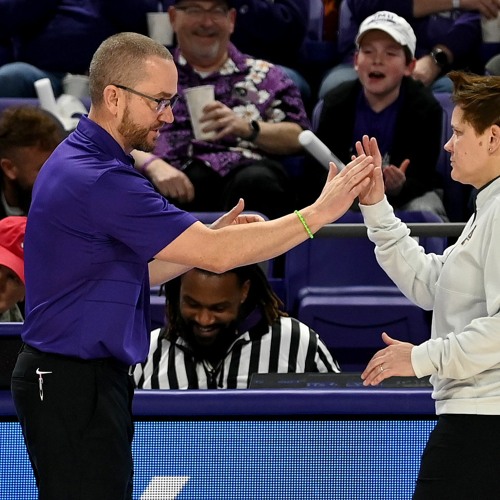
{"x":260,"y":295}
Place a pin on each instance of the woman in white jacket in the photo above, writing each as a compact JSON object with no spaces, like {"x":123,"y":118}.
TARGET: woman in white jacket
{"x":462,"y":288}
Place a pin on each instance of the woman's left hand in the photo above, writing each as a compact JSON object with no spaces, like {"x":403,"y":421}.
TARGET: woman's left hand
{"x":375,"y":190}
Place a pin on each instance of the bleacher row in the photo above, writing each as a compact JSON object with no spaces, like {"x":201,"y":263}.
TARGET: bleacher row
{"x":320,"y":54}
{"x":456,"y":195}
{"x":335,"y":285}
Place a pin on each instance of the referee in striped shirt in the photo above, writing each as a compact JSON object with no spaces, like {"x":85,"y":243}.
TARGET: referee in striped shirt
{"x":221,"y":329}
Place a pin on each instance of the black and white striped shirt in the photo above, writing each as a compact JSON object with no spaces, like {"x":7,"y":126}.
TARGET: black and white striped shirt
{"x":287,"y":346}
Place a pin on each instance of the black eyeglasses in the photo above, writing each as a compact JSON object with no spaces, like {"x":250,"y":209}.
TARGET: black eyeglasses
{"x":197,"y":13}
{"x":161,"y":104}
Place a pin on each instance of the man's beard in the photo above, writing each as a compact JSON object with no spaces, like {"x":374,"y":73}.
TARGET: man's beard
{"x":214,"y":351}
{"x":136,"y":137}
{"x":206,"y":52}
{"x":23,"y":196}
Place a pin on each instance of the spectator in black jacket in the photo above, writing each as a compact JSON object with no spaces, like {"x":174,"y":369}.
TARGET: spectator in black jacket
{"x":387,"y":103}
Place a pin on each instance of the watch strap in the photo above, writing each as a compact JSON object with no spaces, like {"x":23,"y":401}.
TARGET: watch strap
{"x":254,"y":125}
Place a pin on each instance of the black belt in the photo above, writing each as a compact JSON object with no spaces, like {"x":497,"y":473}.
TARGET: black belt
{"x":112,"y":362}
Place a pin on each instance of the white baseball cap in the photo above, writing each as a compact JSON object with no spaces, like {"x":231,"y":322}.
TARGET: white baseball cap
{"x":395,"y":26}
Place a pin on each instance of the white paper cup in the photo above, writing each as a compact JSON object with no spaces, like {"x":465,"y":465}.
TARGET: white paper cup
{"x":491,"y":29}
{"x":159,"y":28}
{"x":76,"y":85}
{"x":197,"y":98}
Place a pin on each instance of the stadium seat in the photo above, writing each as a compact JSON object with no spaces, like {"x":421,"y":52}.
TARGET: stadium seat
{"x":350,"y":321}
{"x":7,"y":102}
{"x":335,"y":285}
{"x":157,"y":309}
{"x":343,"y":261}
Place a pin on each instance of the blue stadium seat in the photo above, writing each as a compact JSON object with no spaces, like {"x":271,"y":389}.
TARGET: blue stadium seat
{"x":7,"y":102}
{"x":350,"y":321}
{"x":157,"y":309}
{"x":343,"y":261}
{"x":335,"y":285}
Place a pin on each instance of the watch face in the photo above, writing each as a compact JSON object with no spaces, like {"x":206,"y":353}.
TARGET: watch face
{"x":440,"y":57}
{"x":255,"y":125}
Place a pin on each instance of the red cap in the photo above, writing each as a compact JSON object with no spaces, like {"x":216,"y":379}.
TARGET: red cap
{"x":12,"y":231}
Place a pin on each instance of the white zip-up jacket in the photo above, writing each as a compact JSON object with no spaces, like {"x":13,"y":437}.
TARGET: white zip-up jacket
{"x":462,"y":287}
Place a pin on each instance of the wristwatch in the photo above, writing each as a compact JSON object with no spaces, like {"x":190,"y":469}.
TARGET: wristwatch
{"x":440,"y":58}
{"x":254,"y":125}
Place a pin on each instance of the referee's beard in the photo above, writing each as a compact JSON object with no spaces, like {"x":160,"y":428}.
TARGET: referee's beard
{"x":212,"y":348}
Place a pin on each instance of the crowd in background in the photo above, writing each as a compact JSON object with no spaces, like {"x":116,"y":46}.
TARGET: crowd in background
{"x":312,"y":43}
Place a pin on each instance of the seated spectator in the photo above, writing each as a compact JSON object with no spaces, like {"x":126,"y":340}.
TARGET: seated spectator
{"x":282,"y":30}
{"x":386,"y":103}
{"x":12,"y":289}
{"x":221,"y":329}
{"x":446,"y":39}
{"x":28,"y":135}
{"x":52,"y":38}
{"x":257,"y":117}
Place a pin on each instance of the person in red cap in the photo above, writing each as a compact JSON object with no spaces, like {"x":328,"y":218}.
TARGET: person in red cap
{"x":12,"y":289}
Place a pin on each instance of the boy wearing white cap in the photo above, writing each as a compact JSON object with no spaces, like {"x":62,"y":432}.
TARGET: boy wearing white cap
{"x":12,"y":289}
{"x":386,"y":103}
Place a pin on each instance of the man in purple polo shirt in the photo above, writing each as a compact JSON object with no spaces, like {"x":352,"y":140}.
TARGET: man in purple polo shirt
{"x":98,"y":235}
{"x":257,"y":117}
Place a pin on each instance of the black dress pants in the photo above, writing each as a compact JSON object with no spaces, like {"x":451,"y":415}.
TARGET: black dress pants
{"x":77,"y":424}
{"x":461,"y":460}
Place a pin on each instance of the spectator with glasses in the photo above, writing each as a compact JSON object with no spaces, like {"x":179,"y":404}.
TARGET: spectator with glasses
{"x":282,"y":29}
{"x":256,"y":117}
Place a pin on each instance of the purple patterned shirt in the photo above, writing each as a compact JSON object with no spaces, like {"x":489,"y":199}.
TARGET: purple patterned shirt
{"x":253,"y":88}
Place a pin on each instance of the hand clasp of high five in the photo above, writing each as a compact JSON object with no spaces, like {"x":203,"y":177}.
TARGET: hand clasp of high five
{"x":374,"y":191}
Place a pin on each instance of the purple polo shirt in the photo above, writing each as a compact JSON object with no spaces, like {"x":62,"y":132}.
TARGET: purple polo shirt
{"x":94,"y":224}
{"x":253,"y":89}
